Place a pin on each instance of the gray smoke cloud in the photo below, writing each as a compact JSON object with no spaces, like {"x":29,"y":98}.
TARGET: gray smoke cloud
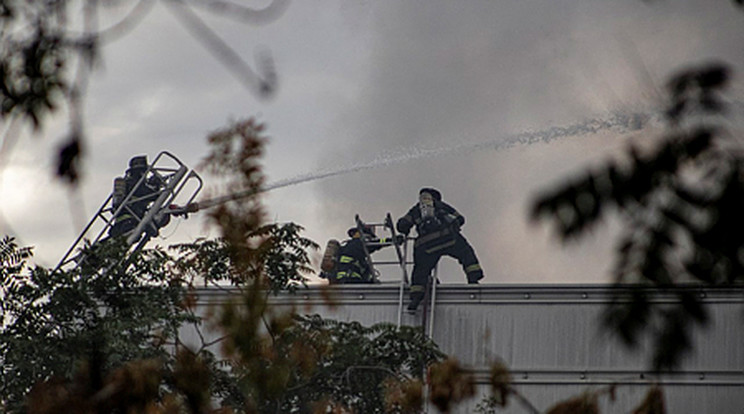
{"x":490,"y":102}
{"x":456,"y":75}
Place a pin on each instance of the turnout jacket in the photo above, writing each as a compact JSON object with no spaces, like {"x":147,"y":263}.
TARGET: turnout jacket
{"x":441,"y":228}
{"x":352,"y":266}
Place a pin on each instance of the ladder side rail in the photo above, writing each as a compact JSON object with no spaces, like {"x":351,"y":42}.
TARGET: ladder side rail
{"x":171,"y":198}
{"x":156,"y":206}
{"x":377,"y":243}
{"x":401,"y":262}
{"x":168,"y":154}
{"x":434,"y":282}
{"x":180,"y":184}
{"x":128,"y":200}
{"x":176,"y":189}
{"x":66,"y":258}
{"x":126,"y":205}
{"x":166,"y":174}
{"x":165,"y":195}
{"x":364,"y":247}
{"x":165,"y":170}
{"x":108,"y":223}
{"x":401,"y":255}
{"x":191,"y":176}
{"x":175,"y":183}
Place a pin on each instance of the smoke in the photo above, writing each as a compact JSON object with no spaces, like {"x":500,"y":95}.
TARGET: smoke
{"x":443,"y":75}
{"x":620,"y":123}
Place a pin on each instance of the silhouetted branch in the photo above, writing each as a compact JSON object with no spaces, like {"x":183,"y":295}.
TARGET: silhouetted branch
{"x":268,"y":14}
{"x":263,"y":85}
{"x":681,"y":206}
{"x":128,"y":23}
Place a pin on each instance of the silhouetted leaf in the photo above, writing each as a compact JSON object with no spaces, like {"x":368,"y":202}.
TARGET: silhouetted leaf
{"x":714,"y":76}
{"x":68,"y":160}
{"x":500,"y":379}
{"x":653,"y":403}
{"x":584,"y":404}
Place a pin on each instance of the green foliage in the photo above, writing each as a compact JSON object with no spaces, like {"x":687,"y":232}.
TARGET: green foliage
{"x":287,"y":259}
{"x":104,"y":315}
{"x":680,"y":204}
{"x":35,"y":77}
{"x":233,"y":164}
{"x":348,"y":365}
{"x":284,"y":254}
{"x":32,"y":62}
{"x":450,"y":384}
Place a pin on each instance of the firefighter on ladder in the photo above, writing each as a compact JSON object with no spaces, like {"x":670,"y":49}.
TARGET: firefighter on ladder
{"x":438,"y":226}
{"x":347,"y":263}
{"x":130,"y":215}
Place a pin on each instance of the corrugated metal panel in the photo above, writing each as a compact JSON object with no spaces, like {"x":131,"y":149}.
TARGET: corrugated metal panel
{"x":551,"y":338}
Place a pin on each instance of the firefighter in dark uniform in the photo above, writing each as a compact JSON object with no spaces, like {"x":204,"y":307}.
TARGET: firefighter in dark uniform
{"x":145,"y":192}
{"x":351,"y":263}
{"x":438,"y":226}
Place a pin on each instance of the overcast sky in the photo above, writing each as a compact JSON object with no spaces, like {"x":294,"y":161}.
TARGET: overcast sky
{"x":402,"y":95}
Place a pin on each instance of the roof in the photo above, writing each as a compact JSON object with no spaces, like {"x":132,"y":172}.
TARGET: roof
{"x":552,"y":339}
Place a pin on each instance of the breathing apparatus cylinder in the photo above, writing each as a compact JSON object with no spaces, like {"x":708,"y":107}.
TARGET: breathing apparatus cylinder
{"x":120,"y":191}
{"x":329,"y":256}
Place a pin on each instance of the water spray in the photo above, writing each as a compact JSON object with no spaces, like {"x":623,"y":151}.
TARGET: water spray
{"x":621,"y":122}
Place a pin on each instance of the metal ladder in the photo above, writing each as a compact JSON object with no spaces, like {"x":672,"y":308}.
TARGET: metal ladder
{"x":174,"y":176}
{"x":401,"y":251}
{"x":402,"y":254}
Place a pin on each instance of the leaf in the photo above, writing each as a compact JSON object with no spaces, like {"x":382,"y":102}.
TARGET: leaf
{"x":583,"y":404}
{"x":449,"y":384}
{"x":713,"y":76}
{"x":653,"y":403}
{"x":500,"y":379}
{"x":68,"y":160}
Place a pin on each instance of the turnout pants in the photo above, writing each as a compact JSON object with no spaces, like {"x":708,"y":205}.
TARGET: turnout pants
{"x":426,"y":257}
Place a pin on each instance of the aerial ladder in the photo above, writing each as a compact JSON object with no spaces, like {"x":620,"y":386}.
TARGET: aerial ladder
{"x":143,"y":205}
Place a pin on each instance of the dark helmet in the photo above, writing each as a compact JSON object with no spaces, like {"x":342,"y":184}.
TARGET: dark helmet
{"x":367,"y":229}
{"x":138,"y":163}
{"x":434,"y":193}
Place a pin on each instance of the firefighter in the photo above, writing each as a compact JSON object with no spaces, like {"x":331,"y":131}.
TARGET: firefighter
{"x":438,"y":234}
{"x":350,"y":261}
{"x":145,"y":192}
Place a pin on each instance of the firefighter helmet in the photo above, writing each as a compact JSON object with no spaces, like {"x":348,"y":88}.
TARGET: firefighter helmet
{"x":434,"y":193}
{"x":367,"y":229}
{"x":138,"y":163}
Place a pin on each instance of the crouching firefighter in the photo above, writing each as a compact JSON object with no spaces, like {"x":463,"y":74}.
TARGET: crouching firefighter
{"x":438,"y":233}
{"x":347,"y":262}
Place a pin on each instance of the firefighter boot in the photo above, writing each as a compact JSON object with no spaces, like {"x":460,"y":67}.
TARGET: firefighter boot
{"x":474,"y":273}
{"x":416,"y":298}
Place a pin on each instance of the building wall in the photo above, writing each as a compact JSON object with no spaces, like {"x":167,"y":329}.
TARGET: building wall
{"x":552,"y":339}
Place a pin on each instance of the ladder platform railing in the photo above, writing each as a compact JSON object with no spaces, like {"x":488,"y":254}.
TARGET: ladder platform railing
{"x":165,"y":182}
